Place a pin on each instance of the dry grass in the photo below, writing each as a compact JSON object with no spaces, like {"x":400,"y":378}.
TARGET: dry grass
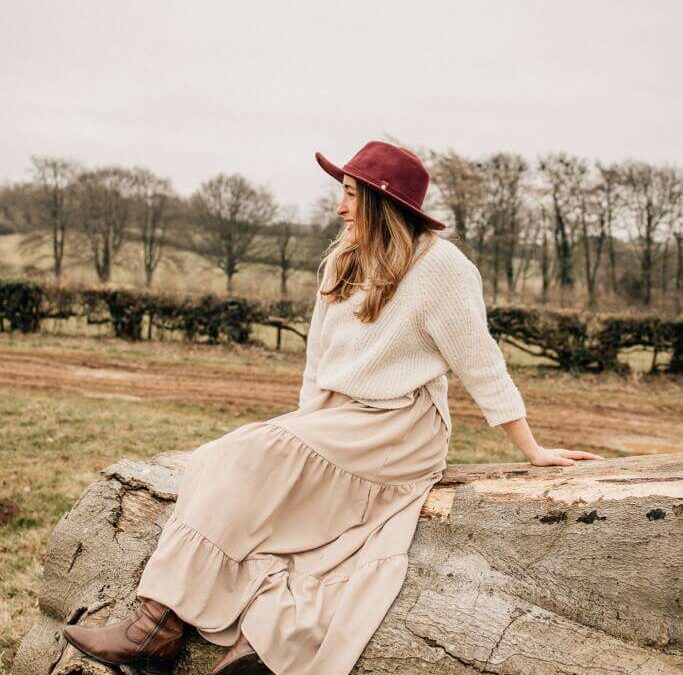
{"x":178,"y":272}
{"x":51,"y":447}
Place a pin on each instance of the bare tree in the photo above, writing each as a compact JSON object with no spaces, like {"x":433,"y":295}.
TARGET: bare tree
{"x":532,"y":234}
{"x":287,"y":245}
{"x":230,"y":212}
{"x":461,"y":186}
{"x":104,"y":210}
{"x":664,"y":267}
{"x":504,"y":174}
{"x":679,"y":266}
{"x":545,"y":260}
{"x":52,"y":205}
{"x":325,"y":225}
{"x":653,"y":195}
{"x":675,"y":223}
{"x":610,"y":197}
{"x":562,"y":174}
{"x":594,"y":206}
{"x":151,"y":215}
{"x":16,"y":208}
{"x":324,"y":217}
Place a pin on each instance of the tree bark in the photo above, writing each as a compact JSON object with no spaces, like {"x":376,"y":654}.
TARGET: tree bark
{"x":513,"y":569}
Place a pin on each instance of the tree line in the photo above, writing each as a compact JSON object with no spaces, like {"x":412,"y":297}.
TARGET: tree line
{"x":580,"y":230}
{"x":228,"y":220}
{"x":574,"y":224}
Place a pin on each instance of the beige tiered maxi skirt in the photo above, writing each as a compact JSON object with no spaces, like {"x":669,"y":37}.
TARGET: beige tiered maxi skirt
{"x":295,"y":530}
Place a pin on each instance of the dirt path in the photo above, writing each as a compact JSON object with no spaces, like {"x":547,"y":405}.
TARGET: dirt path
{"x":610,"y":416}
{"x":99,"y":376}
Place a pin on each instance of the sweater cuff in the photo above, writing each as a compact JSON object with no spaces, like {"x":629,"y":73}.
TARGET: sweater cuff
{"x":514,"y":411}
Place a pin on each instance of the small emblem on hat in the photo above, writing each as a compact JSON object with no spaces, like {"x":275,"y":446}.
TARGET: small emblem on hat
{"x":383,"y":186}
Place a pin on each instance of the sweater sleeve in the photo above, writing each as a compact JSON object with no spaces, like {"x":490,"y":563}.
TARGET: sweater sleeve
{"x":309,"y":386}
{"x":455,"y":319}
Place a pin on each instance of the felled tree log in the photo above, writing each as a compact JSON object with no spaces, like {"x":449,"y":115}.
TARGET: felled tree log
{"x":513,"y":569}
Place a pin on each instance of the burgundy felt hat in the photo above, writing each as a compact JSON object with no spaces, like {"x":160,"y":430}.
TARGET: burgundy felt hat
{"x":397,"y":172}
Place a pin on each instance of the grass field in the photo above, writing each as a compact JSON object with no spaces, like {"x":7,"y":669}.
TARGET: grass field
{"x":178,"y":271}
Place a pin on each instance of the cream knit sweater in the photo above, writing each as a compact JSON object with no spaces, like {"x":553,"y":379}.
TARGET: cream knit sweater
{"x":435,"y":323}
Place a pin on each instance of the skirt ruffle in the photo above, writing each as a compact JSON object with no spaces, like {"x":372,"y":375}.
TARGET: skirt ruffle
{"x":301,"y":547}
{"x":320,"y":617}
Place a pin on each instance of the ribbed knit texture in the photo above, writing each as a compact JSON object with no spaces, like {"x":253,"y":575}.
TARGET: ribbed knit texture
{"x":435,"y":323}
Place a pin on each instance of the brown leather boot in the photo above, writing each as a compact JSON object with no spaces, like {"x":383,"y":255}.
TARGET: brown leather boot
{"x":151,"y":637}
{"x":240,"y":659}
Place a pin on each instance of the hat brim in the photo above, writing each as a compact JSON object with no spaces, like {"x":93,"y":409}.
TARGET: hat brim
{"x":338,"y":174}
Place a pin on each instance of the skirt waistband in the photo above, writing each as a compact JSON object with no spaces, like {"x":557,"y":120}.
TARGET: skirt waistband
{"x":397,"y":402}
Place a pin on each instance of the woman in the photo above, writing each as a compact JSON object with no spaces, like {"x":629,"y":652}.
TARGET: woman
{"x":289,"y":538}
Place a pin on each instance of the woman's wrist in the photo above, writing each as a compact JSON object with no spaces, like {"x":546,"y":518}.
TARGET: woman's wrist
{"x":532,"y":452}
{"x":519,"y":433}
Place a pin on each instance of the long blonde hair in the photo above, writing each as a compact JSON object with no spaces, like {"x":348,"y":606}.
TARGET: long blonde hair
{"x":387,"y":237}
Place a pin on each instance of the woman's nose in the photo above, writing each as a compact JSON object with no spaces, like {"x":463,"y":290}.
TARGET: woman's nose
{"x":341,"y":208}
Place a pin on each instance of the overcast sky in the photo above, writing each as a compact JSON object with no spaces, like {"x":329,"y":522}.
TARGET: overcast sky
{"x":190,"y":89}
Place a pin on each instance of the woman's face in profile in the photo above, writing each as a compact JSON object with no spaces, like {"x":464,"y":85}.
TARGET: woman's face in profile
{"x":347,"y":206}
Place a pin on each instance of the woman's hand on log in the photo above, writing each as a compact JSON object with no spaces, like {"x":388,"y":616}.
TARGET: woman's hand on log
{"x":559,"y":456}
{"x":519,"y":433}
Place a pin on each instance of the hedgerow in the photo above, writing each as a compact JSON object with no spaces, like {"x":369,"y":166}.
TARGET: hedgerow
{"x":574,"y":340}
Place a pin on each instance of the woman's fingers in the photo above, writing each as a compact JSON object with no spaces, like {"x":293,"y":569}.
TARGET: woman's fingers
{"x":563,"y":457}
{"x":579,"y":454}
{"x":552,"y":459}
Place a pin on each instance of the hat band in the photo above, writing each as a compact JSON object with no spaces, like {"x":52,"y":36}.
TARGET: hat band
{"x":381,"y":184}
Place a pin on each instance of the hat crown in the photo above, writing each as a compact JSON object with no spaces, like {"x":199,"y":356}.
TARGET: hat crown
{"x":397,"y":172}
{"x":394,"y":169}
